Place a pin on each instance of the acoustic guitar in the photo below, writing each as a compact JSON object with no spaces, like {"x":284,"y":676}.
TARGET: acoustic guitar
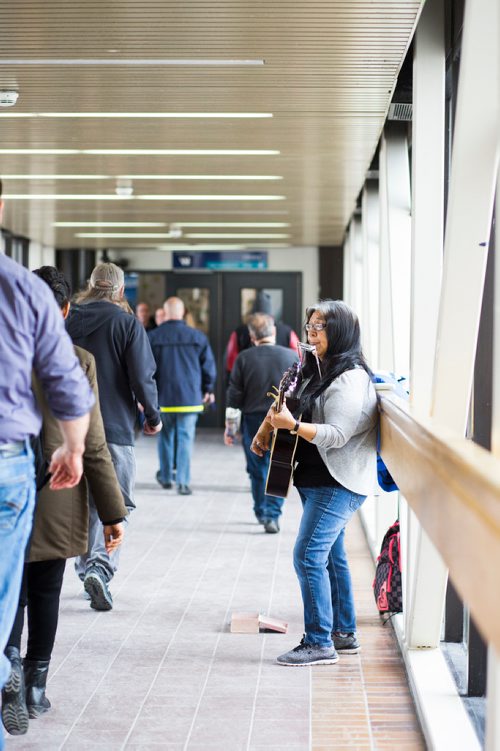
{"x":284,"y":444}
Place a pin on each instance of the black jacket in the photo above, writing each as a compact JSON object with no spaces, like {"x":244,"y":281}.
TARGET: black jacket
{"x":255,"y":372}
{"x":125,"y":365}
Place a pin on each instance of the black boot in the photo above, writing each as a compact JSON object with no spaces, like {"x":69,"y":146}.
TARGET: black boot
{"x":15,"y":716}
{"x":35,"y":677}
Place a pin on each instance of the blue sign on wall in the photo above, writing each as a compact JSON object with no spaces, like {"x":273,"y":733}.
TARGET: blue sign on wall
{"x":224,"y":261}
{"x":132,"y":288}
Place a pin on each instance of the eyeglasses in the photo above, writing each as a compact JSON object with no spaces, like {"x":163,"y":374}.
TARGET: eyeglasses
{"x":315,"y":326}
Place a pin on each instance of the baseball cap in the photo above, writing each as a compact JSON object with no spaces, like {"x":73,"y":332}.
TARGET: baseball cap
{"x":107,"y":276}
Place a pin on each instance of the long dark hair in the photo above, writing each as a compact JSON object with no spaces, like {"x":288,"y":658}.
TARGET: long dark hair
{"x":344,"y":348}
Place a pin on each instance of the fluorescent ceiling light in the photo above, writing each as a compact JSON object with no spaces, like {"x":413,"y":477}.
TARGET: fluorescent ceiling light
{"x":154,"y":197}
{"x":131,"y":235}
{"x":183,"y":152}
{"x":233,"y":224}
{"x":54,"y":152}
{"x":201,"y":177}
{"x":208,"y":197}
{"x":166,"y":235}
{"x":67,"y":197}
{"x":238,"y":236}
{"x":141,"y":177}
{"x":147,"y":152}
{"x":56,"y":177}
{"x":146,"y":115}
{"x":108,"y":224}
{"x":134,"y":62}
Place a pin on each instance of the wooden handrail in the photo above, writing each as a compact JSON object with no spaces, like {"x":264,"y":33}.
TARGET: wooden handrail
{"x":453,"y":486}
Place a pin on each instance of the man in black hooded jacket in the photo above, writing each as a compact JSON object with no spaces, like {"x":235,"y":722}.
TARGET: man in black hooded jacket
{"x":100,"y":323}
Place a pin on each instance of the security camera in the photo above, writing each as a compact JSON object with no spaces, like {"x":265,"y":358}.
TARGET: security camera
{"x":8,"y":97}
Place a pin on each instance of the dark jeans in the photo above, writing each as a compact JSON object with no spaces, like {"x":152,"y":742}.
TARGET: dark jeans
{"x":264,"y":506}
{"x":40,"y":592}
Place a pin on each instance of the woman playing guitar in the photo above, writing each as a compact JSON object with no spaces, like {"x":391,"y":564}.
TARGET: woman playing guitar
{"x":335,"y":471}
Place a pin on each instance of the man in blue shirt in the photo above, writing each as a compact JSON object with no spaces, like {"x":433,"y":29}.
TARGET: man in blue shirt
{"x":185,"y":374}
{"x":32,"y":339}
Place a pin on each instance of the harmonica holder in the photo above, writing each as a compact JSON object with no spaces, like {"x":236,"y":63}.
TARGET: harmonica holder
{"x":304,"y":347}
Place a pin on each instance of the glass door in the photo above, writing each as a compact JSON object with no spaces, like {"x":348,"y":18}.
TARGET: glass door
{"x":201,"y":294}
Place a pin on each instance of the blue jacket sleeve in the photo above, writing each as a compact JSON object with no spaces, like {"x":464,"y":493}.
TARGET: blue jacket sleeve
{"x":208,"y":368}
{"x":67,"y":389}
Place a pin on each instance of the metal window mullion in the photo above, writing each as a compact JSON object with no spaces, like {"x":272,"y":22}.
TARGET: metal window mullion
{"x":428,"y":162}
{"x":427,"y":577}
{"x":347,"y":267}
{"x":371,"y":239}
{"x":492,"y":742}
{"x":356,"y":243}
{"x":385,"y":357}
{"x":399,"y":239}
{"x":470,"y":203}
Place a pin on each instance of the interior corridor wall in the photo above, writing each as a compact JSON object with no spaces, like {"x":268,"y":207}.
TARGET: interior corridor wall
{"x":41,"y":255}
{"x":302,"y":259}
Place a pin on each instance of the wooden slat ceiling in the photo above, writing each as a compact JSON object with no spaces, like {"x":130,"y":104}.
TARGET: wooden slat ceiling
{"x":330,"y":67}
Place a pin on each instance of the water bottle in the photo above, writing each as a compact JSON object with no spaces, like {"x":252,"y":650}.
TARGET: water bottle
{"x":233,"y":417}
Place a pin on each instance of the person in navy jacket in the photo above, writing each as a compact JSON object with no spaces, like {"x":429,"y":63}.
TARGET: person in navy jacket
{"x":185,"y":375}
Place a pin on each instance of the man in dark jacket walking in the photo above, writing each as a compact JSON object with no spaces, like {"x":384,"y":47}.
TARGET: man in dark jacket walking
{"x":185,"y":374}
{"x":255,"y":372}
{"x":99,"y":323}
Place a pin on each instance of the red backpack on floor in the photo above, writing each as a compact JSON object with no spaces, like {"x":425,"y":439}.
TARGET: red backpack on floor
{"x":387,"y":585}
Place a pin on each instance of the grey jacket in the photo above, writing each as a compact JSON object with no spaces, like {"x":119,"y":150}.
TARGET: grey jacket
{"x":346,"y":418}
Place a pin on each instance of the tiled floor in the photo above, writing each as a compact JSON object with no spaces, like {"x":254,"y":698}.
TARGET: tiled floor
{"x":162,"y":671}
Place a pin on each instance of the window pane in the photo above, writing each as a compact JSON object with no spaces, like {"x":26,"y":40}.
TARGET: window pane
{"x":197,"y":302}
{"x":247,"y":301}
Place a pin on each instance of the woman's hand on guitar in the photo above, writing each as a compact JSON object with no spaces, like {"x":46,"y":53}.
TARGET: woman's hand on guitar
{"x":282,"y":419}
{"x":260,"y":444}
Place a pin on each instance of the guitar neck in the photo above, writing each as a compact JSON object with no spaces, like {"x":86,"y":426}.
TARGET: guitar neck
{"x":279,"y":403}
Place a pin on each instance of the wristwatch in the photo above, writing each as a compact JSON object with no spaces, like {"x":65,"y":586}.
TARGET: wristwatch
{"x":295,"y":428}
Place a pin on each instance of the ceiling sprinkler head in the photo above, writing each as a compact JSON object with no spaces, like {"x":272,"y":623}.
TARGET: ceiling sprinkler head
{"x":8,"y":97}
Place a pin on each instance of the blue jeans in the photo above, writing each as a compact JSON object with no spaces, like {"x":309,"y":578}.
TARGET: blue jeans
{"x":17,"y":499}
{"x":176,"y":444}
{"x":321,"y":563}
{"x":123,"y":458}
{"x":264,"y":506}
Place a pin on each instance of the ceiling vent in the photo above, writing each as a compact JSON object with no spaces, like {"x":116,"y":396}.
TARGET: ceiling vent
{"x":400,"y":111}
{"x":8,"y":98}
